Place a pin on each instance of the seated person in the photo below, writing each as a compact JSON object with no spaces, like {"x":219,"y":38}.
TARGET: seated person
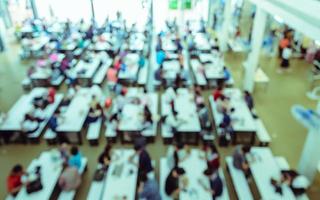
{"x":216,"y":184}
{"x":204,"y":117}
{"x":95,"y":111}
{"x":105,"y":157}
{"x":14,"y":182}
{"x":148,"y":189}
{"x":70,"y":179}
{"x":172,"y":188}
{"x":198,"y":98}
{"x":147,"y":114}
{"x":159,"y":75}
{"x":298,"y":183}
{"x":177,"y":153}
{"x":141,"y":61}
{"x":250,"y":103}
{"x":212,"y":157}
{"x":217,"y":93}
{"x":239,"y":159}
{"x":75,"y":158}
{"x":51,"y":95}
{"x":226,"y":74}
{"x":223,"y":103}
{"x":112,"y":76}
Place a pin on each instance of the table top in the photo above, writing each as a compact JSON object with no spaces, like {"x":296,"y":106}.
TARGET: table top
{"x":183,"y":99}
{"x":51,"y":168}
{"x":121,"y":177}
{"x":194,"y":166}
{"x":131,"y":72}
{"x":242,"y":118}
{"x":16,"y":114}
{"x":88,"y":69}
{"x":77,"y":111}
{"x":260,"y":159}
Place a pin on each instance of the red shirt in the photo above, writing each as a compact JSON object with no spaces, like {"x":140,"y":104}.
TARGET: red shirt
{"x":217,"y":94}
{"x":13,"y":181}
{"x":51,"y":94}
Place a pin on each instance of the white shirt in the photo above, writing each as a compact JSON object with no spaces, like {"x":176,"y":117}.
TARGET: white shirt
{"x":286,"y":54}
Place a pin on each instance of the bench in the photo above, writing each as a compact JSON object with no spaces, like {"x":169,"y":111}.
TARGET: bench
{"x":96,"y":189}
{"x":143,"y":75}
{"x":164,"y":172}
{"x":111,"y":133}
{"x":225,"y":193}
{"x":262,"y":133}
{"x":239,"y":181}
{"x":166,"y":134}
{"x":199,"y":77}
{"x":101,"y":74}
{"x":69,"y":195}
{"x":94,"y":132}
{"x":50,"y":136}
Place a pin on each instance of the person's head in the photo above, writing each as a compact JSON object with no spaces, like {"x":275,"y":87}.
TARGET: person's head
{"x":74,"y":150}
{"x":179,"y":146}
{"x":209,"y":172}
{"x":246,"y":93}
{"x":246,"y":149}
{"x":177,"y":171}
{"x":232,"y":110}
{"x":17,"y":170}
{"x":202,"y":105}
{"x":138,"y":148}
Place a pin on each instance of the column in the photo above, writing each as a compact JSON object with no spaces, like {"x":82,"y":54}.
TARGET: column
{"x":310,"y":156}
{"x":34,"y":9}
{"x":210,"y":14}
{"x":4,"y":13}
{"x":259,"y":25}
{"x":227,"y":16}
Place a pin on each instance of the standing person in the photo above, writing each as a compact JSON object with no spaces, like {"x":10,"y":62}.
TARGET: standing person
{"x":144,"y":163}
{"x":239,"y":159}
{"x":286,"y":54}
{"x":172,"y":182}
{"x":284,"y":42}
{"x":75,"y":158}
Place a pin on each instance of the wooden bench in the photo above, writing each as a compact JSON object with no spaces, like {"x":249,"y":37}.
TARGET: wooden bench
{"x":69,"y":195}
{"x":262,"y":133}
{"x":239,"y":180}
{"x":111,"y":133}
{"x":94,"y":132}
{"x":101,"y":74}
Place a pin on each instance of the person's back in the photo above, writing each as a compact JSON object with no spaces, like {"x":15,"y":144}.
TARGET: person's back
{"x":216,"y":185}
{"x":69,"y":179}
{"x":171,"y":184}
{"x":145,"y":164}
{"x":238,"y":158}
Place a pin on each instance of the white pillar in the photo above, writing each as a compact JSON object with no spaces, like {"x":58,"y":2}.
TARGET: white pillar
{"x":210,"y":14}
{"x":224,"y":34}
{"x":259,"y":25}
{"x":310,"y":157}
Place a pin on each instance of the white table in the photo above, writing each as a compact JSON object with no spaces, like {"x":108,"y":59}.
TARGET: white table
{"x":16,"y":114}
{"x":194,"y":167}
{"x":88,"y":68}
{"x":264,"y":167}
{"x":131,"y":71}
{"x":171,"y":68}
{"x":51,"y":168}
{"x":76,"y":113}
{"x":123,"y":184}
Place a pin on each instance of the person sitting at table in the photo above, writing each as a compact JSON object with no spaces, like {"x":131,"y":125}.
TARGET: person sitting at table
{"x":147,"y":114}
{"x":217,"y":93}
{"x":160,"y":57}
{"x":70,"y":179}
{"x":148,"y":189}
{"x":212,"y":157}
{"x":223,"y":103}
{"x":298,"y":183}
{"x":159,"y":75}
{"x":178,"y":81}
{"x":216,"y":184}
{"x":198,"y":98}
{"x":95,"y":111}
{"x":177,"y":153}
{"x":141,"y":61}
{"x":250,"y":103}
{"x":75,"y":158}
{"x":117,"y":63}
{"x":14,"y":182}
{"x":204,"y":117}
{"x":172,"y":188}
{"x":144,"y":163}
{"x":239,"y":159}
{"x":105,"y":157}
{"x":51,"y":95}
{"x":112,"y":76}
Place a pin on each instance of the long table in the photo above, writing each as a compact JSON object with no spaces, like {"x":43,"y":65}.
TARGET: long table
{"x":242,"y":120}
{"x":76,"y":113}
{"x":186,"y":109}
{"x":51,"y":168}
{"x":263,"y":168}
{"x":122,"y":177}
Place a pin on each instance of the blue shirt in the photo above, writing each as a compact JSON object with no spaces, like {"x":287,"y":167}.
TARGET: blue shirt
{"x":227,"y":74}
{"x":160,"y":57}
{"x":75,"y":161}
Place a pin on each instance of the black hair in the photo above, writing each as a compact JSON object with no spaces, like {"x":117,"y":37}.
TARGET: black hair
{"x":179,"y":170}
{"x":74,"y":150}
{"x":17,"y":168}
{"x":246,"y":148}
